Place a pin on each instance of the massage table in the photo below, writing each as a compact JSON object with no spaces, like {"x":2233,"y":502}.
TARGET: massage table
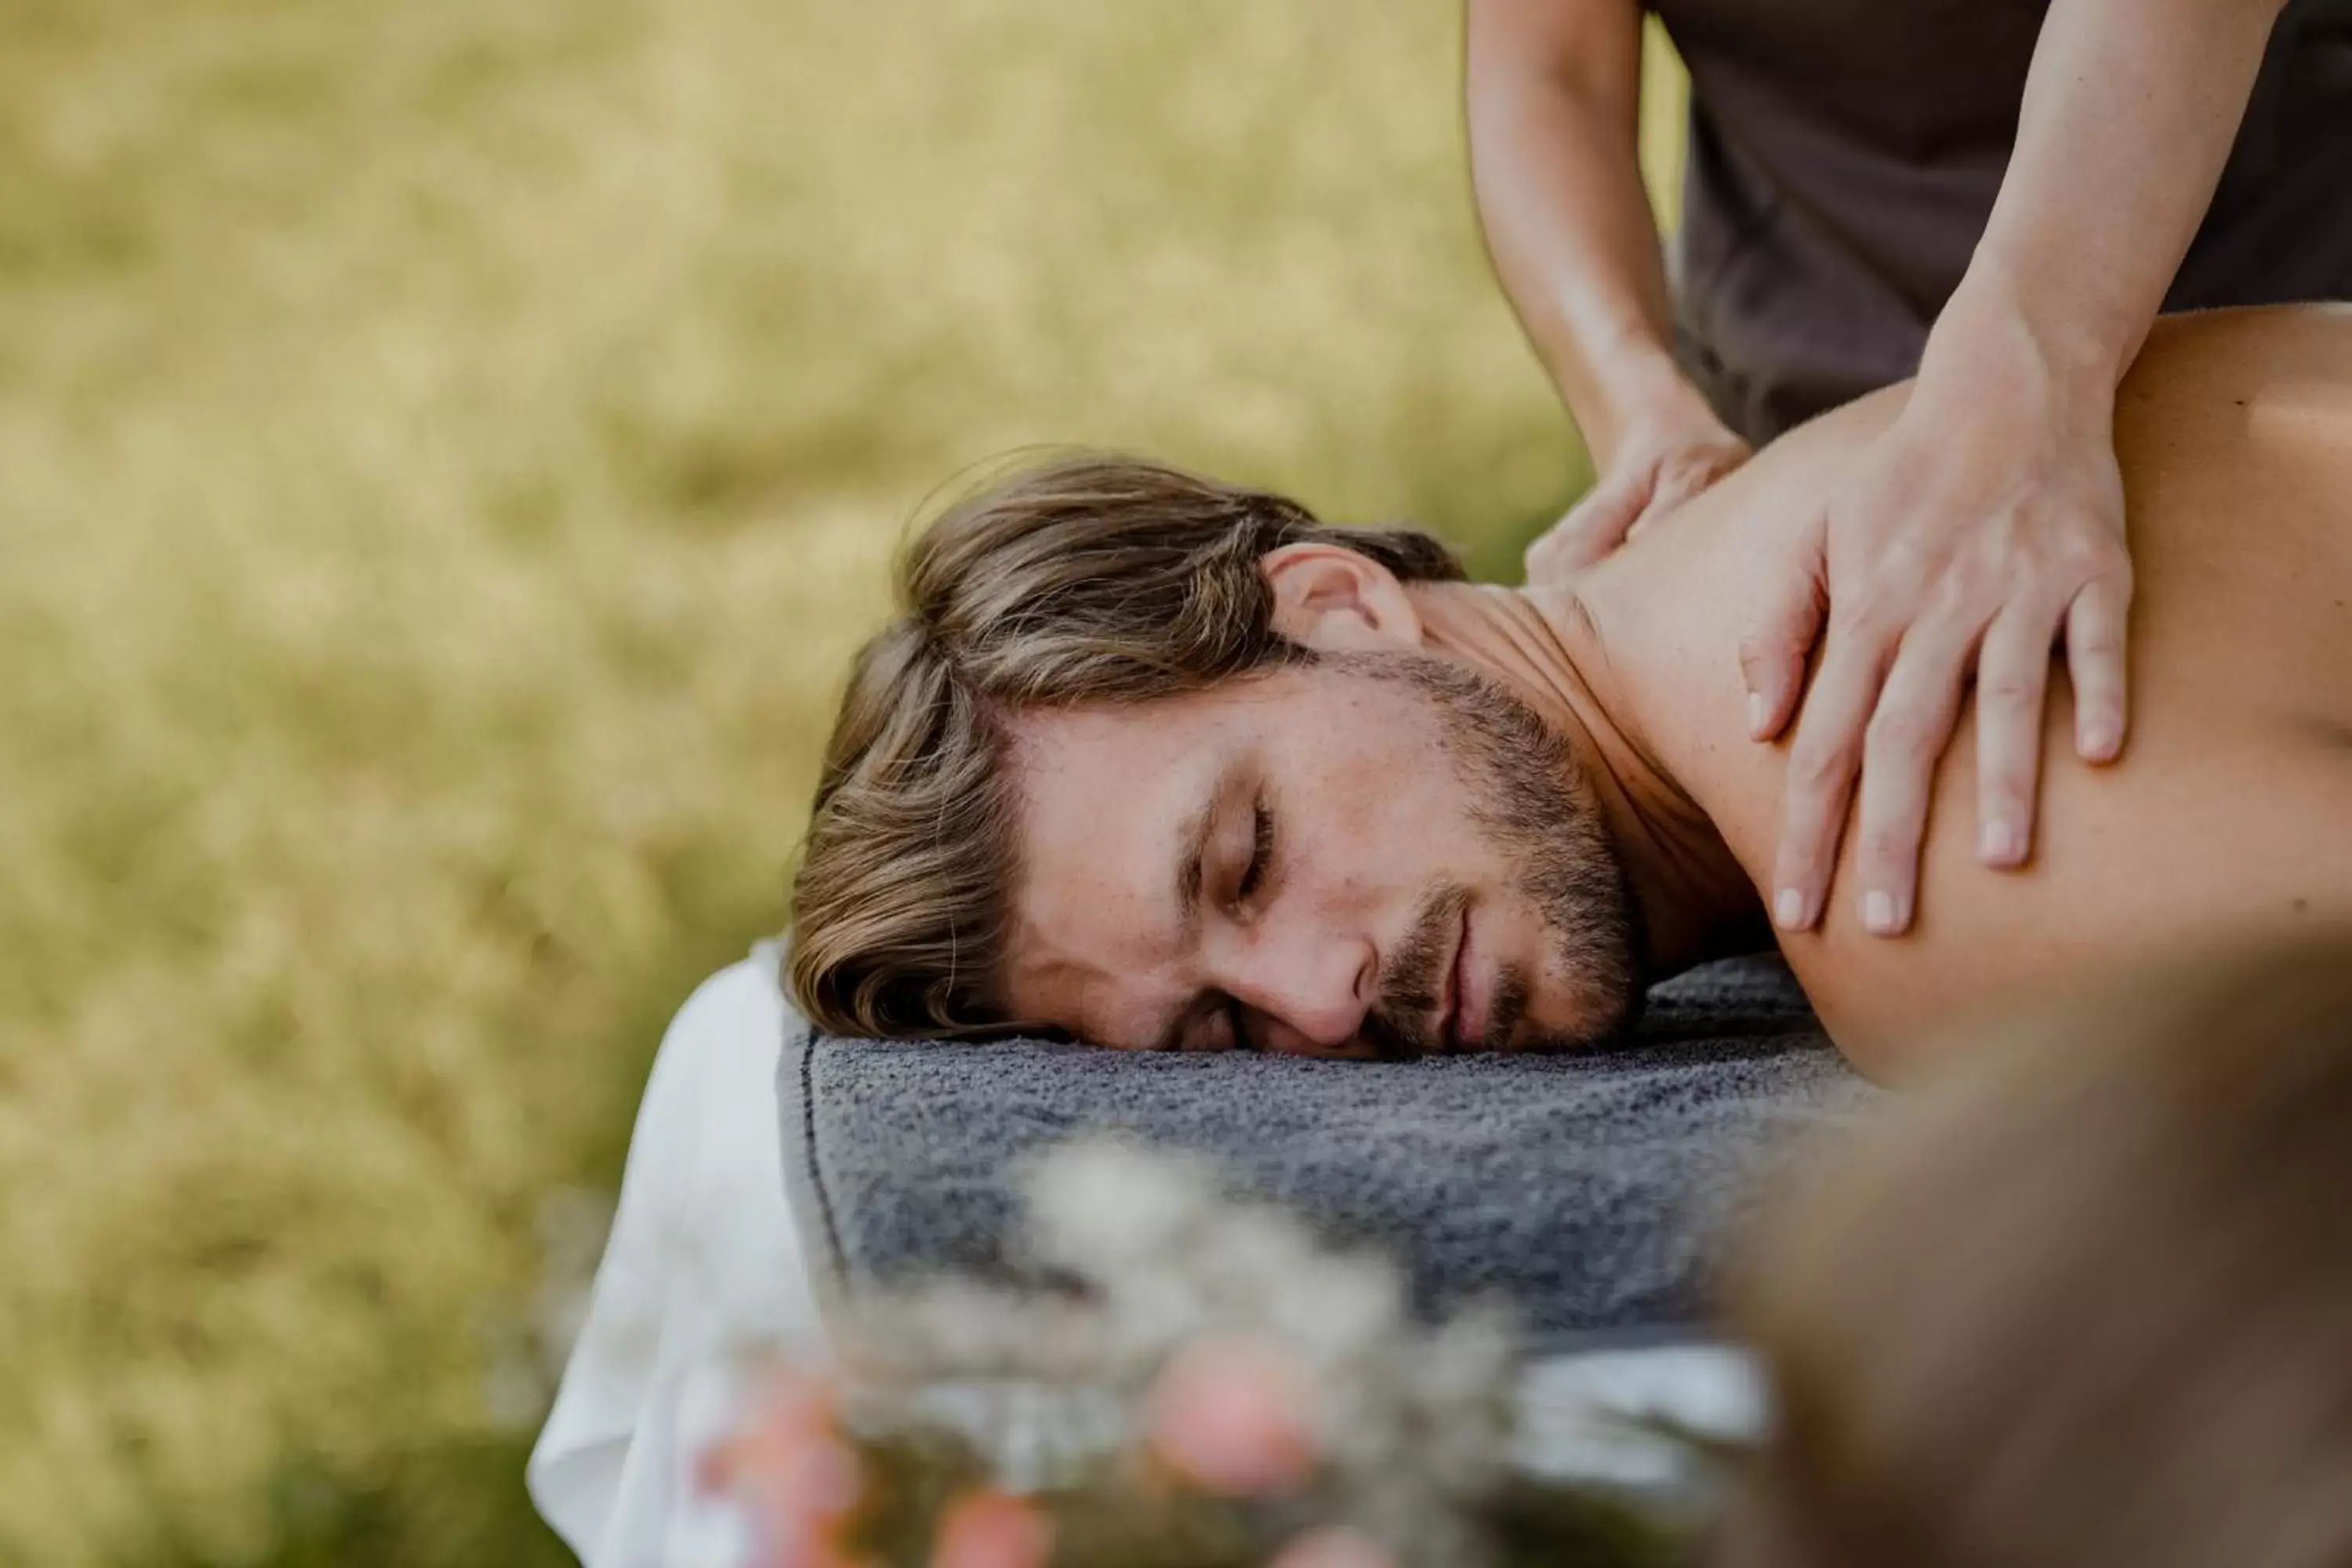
{"x":776,"y":1175}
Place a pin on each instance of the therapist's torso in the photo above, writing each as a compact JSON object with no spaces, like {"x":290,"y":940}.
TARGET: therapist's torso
{"x":1844,"y":155}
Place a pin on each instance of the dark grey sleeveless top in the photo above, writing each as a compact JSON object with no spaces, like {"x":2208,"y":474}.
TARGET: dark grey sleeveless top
{"x":1843,"y":159}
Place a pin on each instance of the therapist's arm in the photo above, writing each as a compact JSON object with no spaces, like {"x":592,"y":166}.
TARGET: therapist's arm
{"x":1987,"y":522}
{"x":2131,"y":109}
{"x":1553,"y":90}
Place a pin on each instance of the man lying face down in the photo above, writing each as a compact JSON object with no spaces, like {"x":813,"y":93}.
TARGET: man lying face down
{"x":1158,"y":762}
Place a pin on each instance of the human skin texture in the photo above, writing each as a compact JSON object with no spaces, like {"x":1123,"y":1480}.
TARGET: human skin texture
{"x":2233,"y":804}
{"x":2230,"y":810}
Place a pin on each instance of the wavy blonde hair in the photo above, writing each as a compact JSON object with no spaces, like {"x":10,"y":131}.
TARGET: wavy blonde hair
{"x":1086,"y":578}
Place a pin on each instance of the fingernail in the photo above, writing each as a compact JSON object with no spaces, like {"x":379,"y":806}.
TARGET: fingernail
{"x":1999,"y":842}
{"x":1760,"y":714}
{"x":1788,"y":910}
{"x":1878,"y":912}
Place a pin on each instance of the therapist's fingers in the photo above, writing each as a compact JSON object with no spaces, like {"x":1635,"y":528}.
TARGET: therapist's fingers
{"x":1823,"y":761}
{"x":1781,"y":630}
{"x":1591,"y":529}
{"x":1685,"y":475}
{"x":1908,"y":731}
{"x":2012,"y":684}
{"x":2096,"y":656}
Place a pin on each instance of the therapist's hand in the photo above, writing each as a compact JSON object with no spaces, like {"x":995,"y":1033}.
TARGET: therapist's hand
{"x":1662,"y":461}
{"x":1985,"y":524}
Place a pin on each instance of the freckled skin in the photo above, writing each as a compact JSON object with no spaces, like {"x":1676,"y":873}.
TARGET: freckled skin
{"x":2230,"y":809}
{"x":1370,"y":814}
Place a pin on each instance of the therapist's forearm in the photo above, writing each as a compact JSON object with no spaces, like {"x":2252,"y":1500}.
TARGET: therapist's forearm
{"x":2131,"y":108}
{"x":1556,"y":166}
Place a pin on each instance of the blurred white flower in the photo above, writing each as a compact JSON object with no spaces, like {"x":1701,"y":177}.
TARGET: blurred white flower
{"x":1099,"y":1206}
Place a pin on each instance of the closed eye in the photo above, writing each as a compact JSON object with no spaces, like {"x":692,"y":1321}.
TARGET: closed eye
{"x":1253,"y":881}
{"x":1261,"y":852}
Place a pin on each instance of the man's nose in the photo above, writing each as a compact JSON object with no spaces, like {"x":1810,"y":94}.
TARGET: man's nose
{"x":1306,"y":995}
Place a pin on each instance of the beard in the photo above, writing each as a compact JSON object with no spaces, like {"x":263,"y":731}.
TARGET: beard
{"x":1530,"y":799}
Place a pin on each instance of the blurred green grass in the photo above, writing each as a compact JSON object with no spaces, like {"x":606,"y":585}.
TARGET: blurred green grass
{"x":446,"y":454}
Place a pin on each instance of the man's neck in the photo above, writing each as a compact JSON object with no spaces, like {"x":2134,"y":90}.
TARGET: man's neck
{"x":1695,"y":900}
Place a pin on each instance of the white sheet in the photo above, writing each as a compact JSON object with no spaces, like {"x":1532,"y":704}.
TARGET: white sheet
{"x":703,"y":1264}
{"x":702,"y":1260}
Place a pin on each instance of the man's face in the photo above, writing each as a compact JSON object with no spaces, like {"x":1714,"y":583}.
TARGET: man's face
{"x":1378,"y":855}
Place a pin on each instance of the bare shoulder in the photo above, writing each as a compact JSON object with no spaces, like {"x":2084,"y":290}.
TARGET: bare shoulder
{"x":2243,"y":353}
{"x":2231,"y":809}
{"x":2200,"y":840}
{"x":2235,"y":435}
{"x":2276,"y":372}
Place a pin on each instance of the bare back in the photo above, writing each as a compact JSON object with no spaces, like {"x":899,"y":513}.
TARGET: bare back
{"x":2231,"y":810}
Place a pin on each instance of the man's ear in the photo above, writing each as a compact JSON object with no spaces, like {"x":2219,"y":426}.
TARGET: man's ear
{"x":1332,"y":600}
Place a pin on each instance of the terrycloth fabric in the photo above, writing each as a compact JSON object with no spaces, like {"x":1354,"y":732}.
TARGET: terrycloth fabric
{"x":1592,"y":1191}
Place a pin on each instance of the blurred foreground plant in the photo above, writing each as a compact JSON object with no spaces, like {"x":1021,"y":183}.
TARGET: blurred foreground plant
{"x":1218,"y":1391}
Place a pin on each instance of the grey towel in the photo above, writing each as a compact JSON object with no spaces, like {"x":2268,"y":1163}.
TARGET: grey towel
{"x":1592,"y":1191}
